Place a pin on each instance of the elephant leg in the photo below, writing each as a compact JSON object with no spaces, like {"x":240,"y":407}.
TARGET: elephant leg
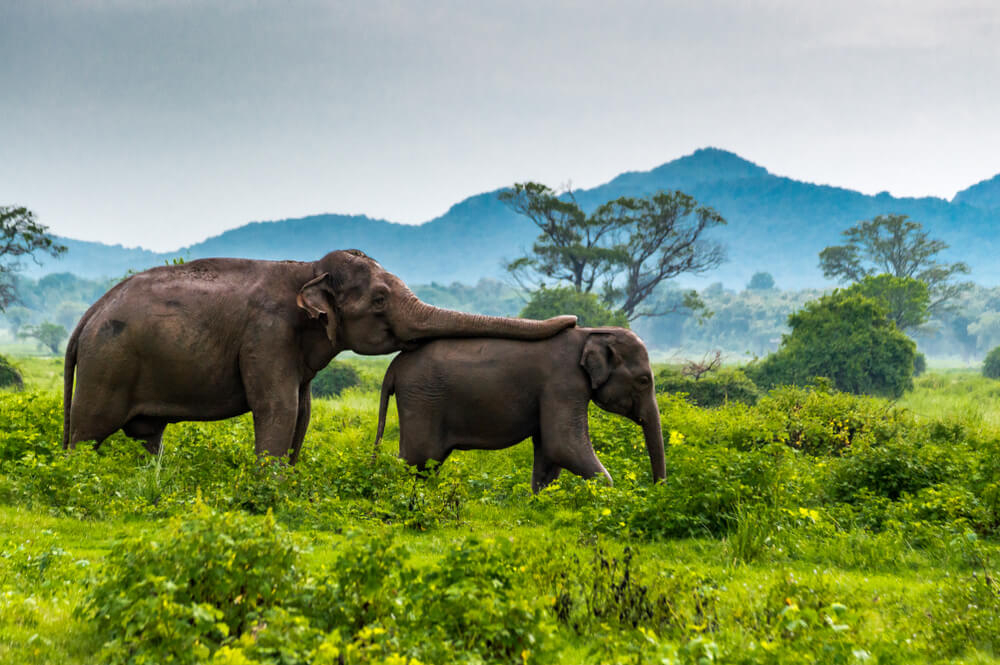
{"x":420,"y":433}
{"x":273,"y":396}
{"x":148,"y":430}
{"x":566,"y":438}
{"x":301,"y":422}
{"x":544,"y":471}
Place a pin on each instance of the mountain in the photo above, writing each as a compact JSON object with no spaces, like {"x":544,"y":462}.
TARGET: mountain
{"x":775,"y":224}
{"x":985,"y":195}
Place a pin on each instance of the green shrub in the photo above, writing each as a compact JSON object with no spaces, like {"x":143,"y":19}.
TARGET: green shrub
{"x":847,"y":339}
{"x":177,"y":595}
{"x":334,"y":379}
{"x":10,"y":377}
{"x":991,"y":364}
{"x":469,"y":604}
{"x":919,"y":364}
{"x":711,"y":390}
{"x":589,"y":310}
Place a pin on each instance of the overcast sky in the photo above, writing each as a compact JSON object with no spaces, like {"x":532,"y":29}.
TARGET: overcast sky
{"x":158,"y":123}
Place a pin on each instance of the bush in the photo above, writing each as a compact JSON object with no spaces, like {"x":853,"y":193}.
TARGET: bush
{"x":334,"y":379}
{"x":716,"y":389}
{"x":590,"y":312}
{"x":919,"y":364}
{"x":177,"y":596}
{"x":847,"y":339}
{"x":9,"y":376}
{"x":991,"y":364}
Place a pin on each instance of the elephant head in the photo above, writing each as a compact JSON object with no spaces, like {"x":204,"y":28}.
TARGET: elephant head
{"x":370,"y":311}
{"x":621,"y":382}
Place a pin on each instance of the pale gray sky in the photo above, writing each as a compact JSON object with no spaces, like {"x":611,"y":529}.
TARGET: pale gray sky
{"x":158,"y":123}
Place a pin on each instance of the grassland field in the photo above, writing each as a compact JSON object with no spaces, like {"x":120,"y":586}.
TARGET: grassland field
{"x":808,"y":527}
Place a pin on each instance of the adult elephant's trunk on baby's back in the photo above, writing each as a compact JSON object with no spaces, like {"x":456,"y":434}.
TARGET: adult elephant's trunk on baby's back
{"x":418,"y":320}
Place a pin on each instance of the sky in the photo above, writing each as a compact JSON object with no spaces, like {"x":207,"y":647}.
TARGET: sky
{"x":159,"y":123}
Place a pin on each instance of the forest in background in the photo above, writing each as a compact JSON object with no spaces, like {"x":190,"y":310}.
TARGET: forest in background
{"x":743,"y":324}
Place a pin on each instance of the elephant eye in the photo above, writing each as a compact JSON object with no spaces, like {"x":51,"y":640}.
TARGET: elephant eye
{"x":378,"y":302}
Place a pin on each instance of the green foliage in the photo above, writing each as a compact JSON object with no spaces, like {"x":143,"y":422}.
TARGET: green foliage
{"x":919,"y":364}
{"x":628,"y":245}
{"x":991,"y":364}
{"x":590,"y":312}
{"x":713,"y":389}
{"x":20,"y":235}
{"x":846,"y":338}
{"x":49,"y":335}
{"x":810,"y":526}
{"x":334,"y":379}
{"x":894,"y":246}
{"x":906,"y":299}
{"x":177,"y":596}
{"x":10,"y":377}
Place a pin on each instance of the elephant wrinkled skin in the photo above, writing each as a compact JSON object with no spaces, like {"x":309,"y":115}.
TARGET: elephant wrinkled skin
{"x":215,"y":338}
{"x":488,"y":394}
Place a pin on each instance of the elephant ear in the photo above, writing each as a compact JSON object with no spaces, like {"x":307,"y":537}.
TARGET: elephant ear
{"x":316,"y":298}
{"x":598,"y":358}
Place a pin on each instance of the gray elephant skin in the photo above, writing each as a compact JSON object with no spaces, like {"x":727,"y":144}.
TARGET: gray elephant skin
{"x":215,"y":338}
{"x":489,"y":394}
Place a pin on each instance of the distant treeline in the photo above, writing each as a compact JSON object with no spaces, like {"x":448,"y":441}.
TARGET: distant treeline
{"x":747,"y":322}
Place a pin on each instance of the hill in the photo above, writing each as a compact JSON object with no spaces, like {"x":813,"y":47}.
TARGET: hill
{"x":776,"y":224}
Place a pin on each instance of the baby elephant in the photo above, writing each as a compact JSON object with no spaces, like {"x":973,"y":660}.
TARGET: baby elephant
{"x":489,"y":394}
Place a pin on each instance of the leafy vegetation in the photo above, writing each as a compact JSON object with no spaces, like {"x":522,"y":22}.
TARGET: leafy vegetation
{"x":10,"y":377}
{"x":589,"y":310}
{"x":894,"y":246}
{"x":846,"y":338}
{"x":50,"y":335}
{"x":21,"y":235}
{"x":627,"y":246}
{"x":991,"y":364}
{"x":811,"y":526}
{"x":334,"y":379}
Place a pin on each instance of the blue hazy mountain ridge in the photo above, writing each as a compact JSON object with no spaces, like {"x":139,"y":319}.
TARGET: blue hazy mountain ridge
{"x":985,"y":195}
{"x":775,"y":224}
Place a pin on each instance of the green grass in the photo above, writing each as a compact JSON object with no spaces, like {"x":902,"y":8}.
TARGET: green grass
{"x":808,"y":528}
{"x":962,"y":395}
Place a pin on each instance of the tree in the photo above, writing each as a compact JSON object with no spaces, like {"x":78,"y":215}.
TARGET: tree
{"x":20,"y":235}
{"x":572,"y":247}
{"x":48,"y":334}
{"x":906,"y":299}
{"x":627,"y":246}
{"x":760,"y":281}
{"x":846,"y":338}
{"x":657,"y":238}
{"x":590,"y":312}
{"x":893,"y":245}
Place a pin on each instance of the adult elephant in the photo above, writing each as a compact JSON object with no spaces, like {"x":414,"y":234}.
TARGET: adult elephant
{"x":215,"y":338}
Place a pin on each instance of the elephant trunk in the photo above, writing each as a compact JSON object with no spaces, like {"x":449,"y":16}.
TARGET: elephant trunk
{"x":653,"y":434}
{"x":418,"y":320}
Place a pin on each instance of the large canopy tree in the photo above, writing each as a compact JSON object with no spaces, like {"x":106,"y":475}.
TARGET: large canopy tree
{"x":627,"y":246}
{"x":896,"y":246}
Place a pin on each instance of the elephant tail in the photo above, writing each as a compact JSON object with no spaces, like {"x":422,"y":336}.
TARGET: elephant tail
{"x":388,"y":388}
{"x":69,"y":368}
